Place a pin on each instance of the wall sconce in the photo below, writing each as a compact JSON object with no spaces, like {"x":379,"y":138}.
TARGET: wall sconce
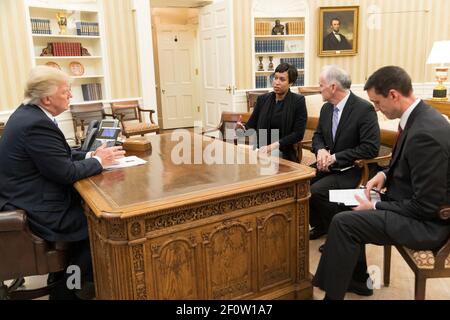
{"x":440,"y":54}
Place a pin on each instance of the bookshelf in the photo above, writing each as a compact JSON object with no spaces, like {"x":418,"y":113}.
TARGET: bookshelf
{"x":287,"y":45}
{"x":79,"y":51}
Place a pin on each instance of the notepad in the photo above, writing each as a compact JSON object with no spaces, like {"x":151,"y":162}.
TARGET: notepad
{"x":126,"y":162}
{"x":347,"y":196}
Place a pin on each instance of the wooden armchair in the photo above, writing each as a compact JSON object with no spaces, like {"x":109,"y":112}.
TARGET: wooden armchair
{"x":2,"y":127}
{"x":126,"y":112}
{"x":251,"y":98}
{"x":387,"y":140}
{"x":424,"y":263}
{"x":228,"y":121}
{"x":304,"y":147}
{"x":83,"y":114}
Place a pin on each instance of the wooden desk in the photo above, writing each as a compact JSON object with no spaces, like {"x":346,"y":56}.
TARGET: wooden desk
{"x":442,"y":106}
{"x":166,"y":231}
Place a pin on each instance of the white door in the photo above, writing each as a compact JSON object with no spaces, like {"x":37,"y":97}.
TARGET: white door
{"x":217,"y":53}
{"x":176,"y":52}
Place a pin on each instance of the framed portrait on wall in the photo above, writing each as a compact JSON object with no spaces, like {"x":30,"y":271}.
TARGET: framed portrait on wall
{"x":338,"y":31}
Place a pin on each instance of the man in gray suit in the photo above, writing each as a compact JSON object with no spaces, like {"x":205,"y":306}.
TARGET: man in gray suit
{"x":417,"y":183}
{"x":347,"y":130}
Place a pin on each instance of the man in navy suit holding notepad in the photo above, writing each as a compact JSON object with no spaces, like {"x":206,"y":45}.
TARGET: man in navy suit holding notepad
{"x":417,"y":184}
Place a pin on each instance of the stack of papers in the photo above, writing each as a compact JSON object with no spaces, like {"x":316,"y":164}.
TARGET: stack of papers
{"x":126,"y":162}
{"x":347,"y":196}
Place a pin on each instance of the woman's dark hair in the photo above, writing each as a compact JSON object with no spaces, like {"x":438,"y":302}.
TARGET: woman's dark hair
{"x":291,"y":71}
{"x":388,"y":78}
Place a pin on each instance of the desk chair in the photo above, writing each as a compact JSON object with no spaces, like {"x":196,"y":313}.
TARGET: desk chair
{"x":25,"y":254}
{"x":126,"y":112}
{"x":83,"y":114}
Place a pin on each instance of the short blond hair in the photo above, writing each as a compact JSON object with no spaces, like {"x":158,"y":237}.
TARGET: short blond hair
{"x":43,"y":82}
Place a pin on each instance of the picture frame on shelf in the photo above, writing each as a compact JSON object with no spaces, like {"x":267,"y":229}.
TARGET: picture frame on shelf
{"x":338,"y":31}
{"x":76,"y":68}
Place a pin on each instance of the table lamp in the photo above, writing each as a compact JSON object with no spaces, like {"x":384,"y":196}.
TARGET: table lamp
{"x":440,"y":54}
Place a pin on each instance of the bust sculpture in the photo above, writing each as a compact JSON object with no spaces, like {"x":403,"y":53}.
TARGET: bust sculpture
{"x":278,"y":29}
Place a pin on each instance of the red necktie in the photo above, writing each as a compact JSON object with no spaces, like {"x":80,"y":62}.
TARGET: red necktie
{"x":397,"y":137}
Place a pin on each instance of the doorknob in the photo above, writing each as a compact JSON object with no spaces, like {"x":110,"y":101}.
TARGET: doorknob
{"x":163,"y":91}
{"x":228,"y":89}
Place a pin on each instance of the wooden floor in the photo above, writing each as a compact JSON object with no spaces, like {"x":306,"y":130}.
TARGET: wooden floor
{"x":402,"y":278}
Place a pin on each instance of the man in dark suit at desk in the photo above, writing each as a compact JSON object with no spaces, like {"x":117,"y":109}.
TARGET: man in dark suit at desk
{"x":417,"y":184}
{"x":334,"y":40}
{"x":347,"y":130}
{"x":38,"y":168}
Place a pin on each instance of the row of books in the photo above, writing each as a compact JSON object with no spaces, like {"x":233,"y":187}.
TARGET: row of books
{"x":300,"y":82}
{"x":87,"y":28}
{"x":66,"y":49}
{"x":92,"y":91}
{"x":263,"y":28}
{"x":295,"y":27}
{"x":266,"y":81}
{"x":40,"y":26}
{"x":299,"y":63}
{"x":269,"y":46}
{"x":262,"y":82}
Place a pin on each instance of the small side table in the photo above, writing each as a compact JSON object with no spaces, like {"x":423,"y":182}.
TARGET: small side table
{"x":441,"y":106}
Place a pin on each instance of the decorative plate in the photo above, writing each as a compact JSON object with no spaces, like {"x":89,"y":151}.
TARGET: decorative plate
{"x":53,"y":64}
{"x":76,"y":68}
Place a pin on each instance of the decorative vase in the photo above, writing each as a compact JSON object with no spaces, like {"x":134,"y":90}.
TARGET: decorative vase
{"x":260,"y":65}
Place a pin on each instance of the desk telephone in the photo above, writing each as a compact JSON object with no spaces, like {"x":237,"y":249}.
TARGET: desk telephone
{"x":99,"y":133}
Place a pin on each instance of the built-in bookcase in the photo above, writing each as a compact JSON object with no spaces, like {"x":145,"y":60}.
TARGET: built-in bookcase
{"x":79,"y":51}
{"x":286,"y":45}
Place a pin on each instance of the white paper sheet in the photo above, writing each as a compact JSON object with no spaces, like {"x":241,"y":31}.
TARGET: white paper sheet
{"x":347,"y":196}
{"x":125,"y":162}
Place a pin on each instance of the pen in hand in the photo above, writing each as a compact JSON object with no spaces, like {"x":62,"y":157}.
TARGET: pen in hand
{"x":373,"y":189}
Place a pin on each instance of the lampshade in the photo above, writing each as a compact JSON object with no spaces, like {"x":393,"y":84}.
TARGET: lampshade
{"x":440,"y":53}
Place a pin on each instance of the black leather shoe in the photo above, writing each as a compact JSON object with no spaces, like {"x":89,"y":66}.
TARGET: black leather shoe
{"x":316,"y":233}
{"x":360,"y":288}
{"x":321,"y":248}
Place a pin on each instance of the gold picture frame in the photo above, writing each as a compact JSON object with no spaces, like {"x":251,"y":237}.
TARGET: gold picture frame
{"x":338,"y":31}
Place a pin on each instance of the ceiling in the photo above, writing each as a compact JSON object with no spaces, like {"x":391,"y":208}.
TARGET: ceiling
{"x":179,"y":3}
